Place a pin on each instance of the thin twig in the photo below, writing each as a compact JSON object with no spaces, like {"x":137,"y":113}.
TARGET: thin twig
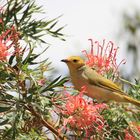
{"x":127,"y":82}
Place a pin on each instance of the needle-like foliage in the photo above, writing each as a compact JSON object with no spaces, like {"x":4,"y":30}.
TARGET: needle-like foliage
{"x":34,"y":106}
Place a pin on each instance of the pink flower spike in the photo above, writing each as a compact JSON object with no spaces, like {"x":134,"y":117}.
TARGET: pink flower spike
{"x":83,"y":115}
{"x":103,"y":58}
{"x":91,"y":41}
{"x":102,"y":47}
{"x":128,"y":136}
{"x":3,"y":51}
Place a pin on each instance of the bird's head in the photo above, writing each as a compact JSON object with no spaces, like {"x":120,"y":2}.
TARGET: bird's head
{"x":74,"y":62}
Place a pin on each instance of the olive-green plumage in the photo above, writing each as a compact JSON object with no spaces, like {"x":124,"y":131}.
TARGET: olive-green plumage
{"x":97,"y":86}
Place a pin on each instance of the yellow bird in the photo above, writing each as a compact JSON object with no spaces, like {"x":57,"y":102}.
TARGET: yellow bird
{"x":98,"y":87}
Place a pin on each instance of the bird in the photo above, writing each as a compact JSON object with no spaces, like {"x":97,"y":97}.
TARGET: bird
{"x":97,"y":86}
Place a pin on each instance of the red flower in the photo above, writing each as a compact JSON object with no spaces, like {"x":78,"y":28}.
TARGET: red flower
{"x":102,"y":57}
{"x":41,"y":82}
{"x":8,"y":39}
{"x":135,"y":126}
{"x":128,"y":136}
{"x":4,"y":40}
{"x":83,"y":115}
{"x":3,"y":51}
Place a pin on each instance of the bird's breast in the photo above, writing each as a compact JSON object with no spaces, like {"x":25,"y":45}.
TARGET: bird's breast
{"x":78,"y":81}
{"x":92,"y":91}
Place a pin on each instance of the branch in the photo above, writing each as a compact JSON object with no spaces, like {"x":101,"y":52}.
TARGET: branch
{"x":45,"y":123}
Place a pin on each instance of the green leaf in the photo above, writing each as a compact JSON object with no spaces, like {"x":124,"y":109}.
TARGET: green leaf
{"x":4,"y":122}
{"x":31,"y":57}
{"x":28,"y":56}
{"x":25,"y":13}
{"x":29,"y":98}
{"x":7,"y":132}
{"x":11,"y":59}
{"x":4,"y":109}
{"x":53,"y":25}
{"x":8,"y":96}
{"x":54,"y":84}
{"x":62,"y":81}
{"x":50,"y":85}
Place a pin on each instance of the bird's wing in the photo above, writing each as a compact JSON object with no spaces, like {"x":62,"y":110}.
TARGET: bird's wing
{"x":107,"y":84}
{"x":96,"y":79}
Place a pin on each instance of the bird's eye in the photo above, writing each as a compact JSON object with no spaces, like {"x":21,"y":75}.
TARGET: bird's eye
{"x":75,"y":60}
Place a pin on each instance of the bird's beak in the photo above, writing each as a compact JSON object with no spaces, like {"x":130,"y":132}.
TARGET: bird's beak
{"x":65,"y":60}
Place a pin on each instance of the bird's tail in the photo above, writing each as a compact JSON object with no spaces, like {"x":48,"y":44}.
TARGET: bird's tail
{"x":131,"y":100}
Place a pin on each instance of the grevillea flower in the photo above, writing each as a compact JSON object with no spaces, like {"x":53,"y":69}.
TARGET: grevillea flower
{"x":41,"y":82}
{"x":8,"y":38}
{"x":5,"y":41}
{"x":102,"y":57}
{"x":128,"y":136}
{"x":83,"y":115}
{"x":129,"y":133}
{"x":135,"y":126}
{"x":3,"y":51}
{"x":3,"y":45}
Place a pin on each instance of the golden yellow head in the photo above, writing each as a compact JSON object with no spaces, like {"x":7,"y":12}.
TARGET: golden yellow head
{"x":74,"y":62}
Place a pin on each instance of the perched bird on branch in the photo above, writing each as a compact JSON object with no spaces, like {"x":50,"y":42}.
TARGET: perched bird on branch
{"x":97,"y":86}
